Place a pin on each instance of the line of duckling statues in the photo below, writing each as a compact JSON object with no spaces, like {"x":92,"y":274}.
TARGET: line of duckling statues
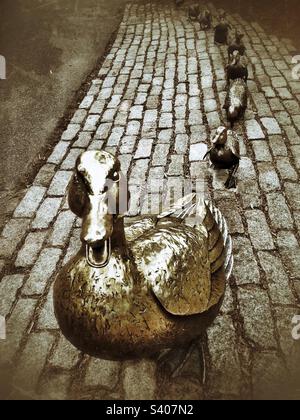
{"x":154,"y":287}
{"x":225,"y":151}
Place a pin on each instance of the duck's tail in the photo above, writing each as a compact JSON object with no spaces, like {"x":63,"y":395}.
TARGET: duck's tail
{"x":182,"y":209}
{"x":220,"y":242}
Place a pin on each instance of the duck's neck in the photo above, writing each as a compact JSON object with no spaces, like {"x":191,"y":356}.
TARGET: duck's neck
{"x":118,"y":238}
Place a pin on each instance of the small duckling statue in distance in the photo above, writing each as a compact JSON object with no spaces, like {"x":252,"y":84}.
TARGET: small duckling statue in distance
{"x":205,"y":19}
{"x":194,"y":12}
{"x":225,"y":153}
{"x":222,"y":31}
{"x":237,"y":45}
{"x":236,"y":69}
{"x":236,"y":101}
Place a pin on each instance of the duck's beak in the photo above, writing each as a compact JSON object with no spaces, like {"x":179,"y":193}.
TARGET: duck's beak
{"x":98,"y":257}
{"x":216,"y":139}
{"x":219,"y":137}
{"x":97,"y":230}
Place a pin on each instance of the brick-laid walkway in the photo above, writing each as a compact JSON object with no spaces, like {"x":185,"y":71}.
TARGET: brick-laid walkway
{"x":155,"y":103}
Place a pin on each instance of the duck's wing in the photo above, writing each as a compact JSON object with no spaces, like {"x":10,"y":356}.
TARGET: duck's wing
{"x":200,"y":213}
{"x":220,"y":252}
{"x":186,"y":267}
{"x":135,"y":227}
{"x":220,"y":242}
{"x":234,"y":144}
{"x":174,"y":263}
{"x":172,"y":258}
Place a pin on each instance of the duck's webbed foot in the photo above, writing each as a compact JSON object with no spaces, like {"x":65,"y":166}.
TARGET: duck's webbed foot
{"x":173,"y":362}
{"x":231,"y":182}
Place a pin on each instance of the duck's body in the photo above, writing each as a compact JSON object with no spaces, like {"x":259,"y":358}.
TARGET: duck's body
{"x":237,"y":69}
{"x":225,"y":153}
{"x":236,"y":101}
{"x":222,"y":31}
{"x":236,"y":45}
{"x":224,"y":157}
{"x":160,"y":286}
{"x":127,"y":309}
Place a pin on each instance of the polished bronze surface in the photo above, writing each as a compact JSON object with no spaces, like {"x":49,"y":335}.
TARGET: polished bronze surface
{"x":135,"y":290}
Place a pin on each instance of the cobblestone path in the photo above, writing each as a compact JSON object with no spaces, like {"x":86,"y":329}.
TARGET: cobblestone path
{"x":156,"y":101}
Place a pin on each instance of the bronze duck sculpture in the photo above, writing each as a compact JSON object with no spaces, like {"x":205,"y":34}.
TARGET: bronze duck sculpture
{"x":236,"y":101}
{"x":236,"y":45}
{"x":236,"y":69}
{"x":222,"y":31}
{"x":225,"y":153}
{"x":194,"y":12}
{"x":135,"y":291}
{"x":205,"y":19}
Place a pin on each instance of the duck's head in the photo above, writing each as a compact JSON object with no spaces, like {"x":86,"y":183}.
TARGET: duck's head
{"x":222,"y":17}
{"x":239,"y":37}
{"x":98,"y":195}
{"x":220,"y":137}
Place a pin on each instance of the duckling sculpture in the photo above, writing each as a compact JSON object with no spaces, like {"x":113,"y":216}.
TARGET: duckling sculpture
{"x":222,"y":31}
{"x":225,"y":153}
{"x":237,"y":69}
{"x":237,"y":45}
{"x":205,"y":19}
{"x":155,"y":285}
{"x":236,"y":101}
{"x":194,"y":12}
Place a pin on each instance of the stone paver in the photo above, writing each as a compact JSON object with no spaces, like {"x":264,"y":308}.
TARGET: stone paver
{"x":42,"y":271}
{"x":154,"y":103}
{"x":65,"y":356}
{"x":30,"y":250}
{"x":30,"y":202}
{"x":46,"y":213}
{"x":109,"y":377}
{"x":9,"y":287}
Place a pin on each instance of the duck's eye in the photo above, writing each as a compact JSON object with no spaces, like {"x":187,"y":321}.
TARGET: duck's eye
{"x":115,"y":177}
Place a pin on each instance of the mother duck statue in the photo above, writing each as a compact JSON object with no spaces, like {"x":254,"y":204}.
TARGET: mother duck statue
{"x":137,"y":291}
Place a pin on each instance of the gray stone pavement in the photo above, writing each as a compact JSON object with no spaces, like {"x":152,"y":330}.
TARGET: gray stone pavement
{"x":156,"y":101}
